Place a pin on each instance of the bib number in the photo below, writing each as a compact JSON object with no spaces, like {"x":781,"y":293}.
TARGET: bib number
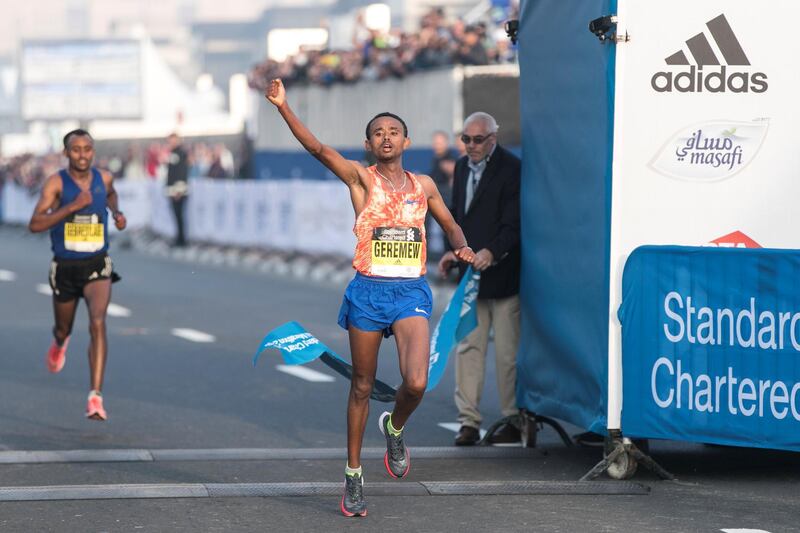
{"x":84,"y":233}
{"x":397,"y":252}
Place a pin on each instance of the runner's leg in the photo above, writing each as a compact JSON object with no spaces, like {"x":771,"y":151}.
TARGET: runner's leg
{"x":412,"y":335}
{"x":64,"y":313}
{"x":97,"y":295}
{"x":364,"y":347}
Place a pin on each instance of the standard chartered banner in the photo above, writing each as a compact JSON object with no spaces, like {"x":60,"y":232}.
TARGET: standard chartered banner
{"x":313,"y":217}
{"x":705,"y":140}
{"x":711,"y":346}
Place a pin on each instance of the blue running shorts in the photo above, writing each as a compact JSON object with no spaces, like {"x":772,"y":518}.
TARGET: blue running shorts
{"x":375,"y":303}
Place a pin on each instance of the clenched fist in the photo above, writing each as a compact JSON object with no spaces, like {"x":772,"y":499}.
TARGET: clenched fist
{"x":276,"y":92}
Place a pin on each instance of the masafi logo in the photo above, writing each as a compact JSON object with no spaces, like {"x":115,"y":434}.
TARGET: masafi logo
{"x":710,"y":151}
{"x":709,"y":73}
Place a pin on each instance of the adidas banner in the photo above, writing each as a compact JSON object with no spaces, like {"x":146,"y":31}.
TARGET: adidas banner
{"x":711,"y":346}
{"x":705,"y":133}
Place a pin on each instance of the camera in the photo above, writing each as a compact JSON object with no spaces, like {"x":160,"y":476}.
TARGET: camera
{"x":512,"y":29}
{"x":602,"y":27}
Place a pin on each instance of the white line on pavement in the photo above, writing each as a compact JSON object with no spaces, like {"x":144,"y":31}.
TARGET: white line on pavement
{"x":7,"y":275}
{"x":454,"y":427}
{"x":139,"y":455}
{"x":193,"y":335}
{"x":305,"y":373}
{"x":113,"y":309}
{"x":43,"y":288}
{"x":118,"y":310}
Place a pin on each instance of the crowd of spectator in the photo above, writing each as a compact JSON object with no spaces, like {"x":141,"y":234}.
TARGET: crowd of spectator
{"x":376,"y":55}
{"x":205,"y":160}
{"x":28,"y":170}
{"x":212,"y":160}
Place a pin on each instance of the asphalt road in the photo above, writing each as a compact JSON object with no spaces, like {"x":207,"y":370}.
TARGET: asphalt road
{"x":165,"y":390}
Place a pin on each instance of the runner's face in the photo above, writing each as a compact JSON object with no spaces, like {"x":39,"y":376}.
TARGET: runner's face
{"x":386,"y":140}
{"x":80,"y":153}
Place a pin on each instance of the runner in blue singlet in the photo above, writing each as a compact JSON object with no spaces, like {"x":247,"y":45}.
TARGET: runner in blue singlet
{"x":73,"y":206}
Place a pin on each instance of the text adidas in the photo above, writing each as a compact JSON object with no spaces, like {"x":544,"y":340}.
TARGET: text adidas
{"x":718,"y":80}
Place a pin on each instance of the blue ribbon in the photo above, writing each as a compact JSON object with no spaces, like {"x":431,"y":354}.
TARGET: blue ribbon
{"x":457,"y":321}
{"x":297,"y":346}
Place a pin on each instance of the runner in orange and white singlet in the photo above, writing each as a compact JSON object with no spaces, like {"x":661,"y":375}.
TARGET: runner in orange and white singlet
{"x":391,"y":230}
{"x":389,"y":294}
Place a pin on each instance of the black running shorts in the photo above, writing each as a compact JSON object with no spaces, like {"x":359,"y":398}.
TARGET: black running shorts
{"x":68,"y":277}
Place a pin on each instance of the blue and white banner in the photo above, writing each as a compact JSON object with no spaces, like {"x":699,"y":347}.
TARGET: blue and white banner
{"x":711,"y":345}
{"x":457,"y":321}
{"x":298,"y":346}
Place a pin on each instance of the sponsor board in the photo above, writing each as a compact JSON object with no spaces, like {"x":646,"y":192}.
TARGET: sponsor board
{"x":705,"y":135}
{"x":711,"y":150}
{"x":716,"y":333}
{"x":727,"y":69}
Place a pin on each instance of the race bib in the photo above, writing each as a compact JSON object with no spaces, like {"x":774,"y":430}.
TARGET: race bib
{"x":84,"y":233}
{"x":397,"y":252}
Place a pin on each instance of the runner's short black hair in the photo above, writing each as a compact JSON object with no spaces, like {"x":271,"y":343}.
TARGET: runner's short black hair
{"x":387,"y":114}
{"x":75,"y":133}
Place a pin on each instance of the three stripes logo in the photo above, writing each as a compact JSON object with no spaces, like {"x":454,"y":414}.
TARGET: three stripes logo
{"x":708,"y":72}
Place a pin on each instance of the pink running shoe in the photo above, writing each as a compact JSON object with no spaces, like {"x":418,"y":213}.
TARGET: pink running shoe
{"x":94,"y":407}
{"x":57,"y":356}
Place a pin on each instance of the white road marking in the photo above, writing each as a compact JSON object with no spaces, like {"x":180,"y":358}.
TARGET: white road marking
{"x":744,"y":531}
{"x":305,"y":373}
{"x":118,"y":310}
{"x":7,"y":275}
{"x":43,"y":288}
{"x":113,"y":309}
{"x":454,"y":427}
{"x":140,"y":455}
{"x":193,"y":335}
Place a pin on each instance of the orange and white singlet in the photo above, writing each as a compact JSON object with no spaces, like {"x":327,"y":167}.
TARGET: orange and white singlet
{"x":391,"y":231}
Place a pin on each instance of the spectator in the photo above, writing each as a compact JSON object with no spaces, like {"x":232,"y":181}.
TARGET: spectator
{"x":153,"y":160}
{"x":471,"y":50}
{"x":178,"y":184}
{"x":443,"y":164}
{"x":133,"y":167}
{"x":485,"y":203}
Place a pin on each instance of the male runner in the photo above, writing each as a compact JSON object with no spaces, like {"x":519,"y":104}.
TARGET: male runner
{"x":389,"y":294}
{"x":73,"y":207}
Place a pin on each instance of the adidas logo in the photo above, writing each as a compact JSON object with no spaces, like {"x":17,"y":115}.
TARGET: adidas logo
{"x":717,"y":77}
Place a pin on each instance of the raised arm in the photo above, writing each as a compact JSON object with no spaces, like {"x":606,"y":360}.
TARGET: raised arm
{"x":47,"y":214}
{"x":350,"y":172}
{"x":438,"y":209}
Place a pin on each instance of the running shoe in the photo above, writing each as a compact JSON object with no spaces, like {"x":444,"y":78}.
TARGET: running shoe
{"x":94,"y":407}
{"x":57,"y":356}
{"x":353,"y":503}
{"x":397,"y":459}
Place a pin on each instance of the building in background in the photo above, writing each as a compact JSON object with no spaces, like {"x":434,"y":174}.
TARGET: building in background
{"x":136,"y":70}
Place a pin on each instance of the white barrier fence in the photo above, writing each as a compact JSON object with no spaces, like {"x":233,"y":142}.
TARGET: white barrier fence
{"x":295,"y":215}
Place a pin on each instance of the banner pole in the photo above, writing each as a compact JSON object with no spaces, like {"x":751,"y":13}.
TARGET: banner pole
{"x":616,"y":262}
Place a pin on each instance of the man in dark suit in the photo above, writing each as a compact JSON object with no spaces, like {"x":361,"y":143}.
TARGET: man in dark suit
{"x":485,"y":204}
{"x":178,"y":184}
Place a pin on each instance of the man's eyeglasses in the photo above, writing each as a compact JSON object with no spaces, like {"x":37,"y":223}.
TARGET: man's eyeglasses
{"x":476,"y":139}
